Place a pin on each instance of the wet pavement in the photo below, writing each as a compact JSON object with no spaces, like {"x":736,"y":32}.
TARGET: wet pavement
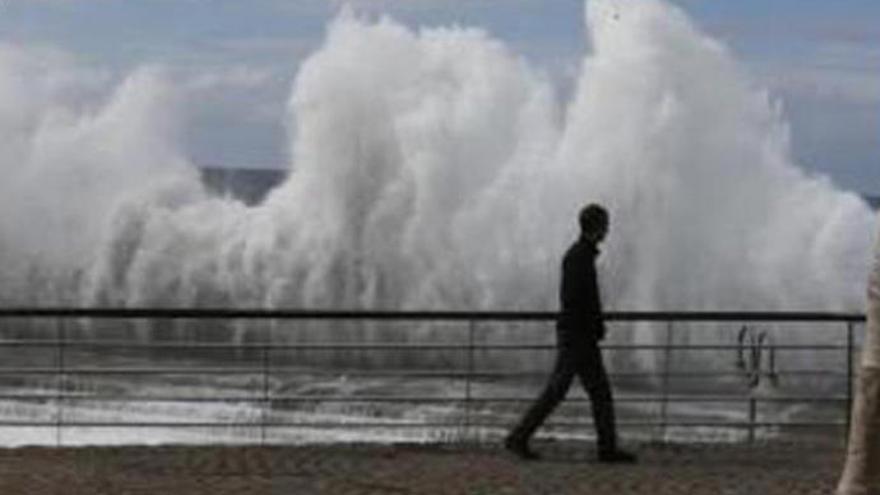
{"x":567,"y":468}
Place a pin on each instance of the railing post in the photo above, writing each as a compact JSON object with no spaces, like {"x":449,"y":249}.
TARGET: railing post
{"x":753,"y":413}
{"x":664,"y":381}
{"x":849,"y":377}
{"x":60,"y":384}
{"x":264,"y":409}
{"x":467,"y":378}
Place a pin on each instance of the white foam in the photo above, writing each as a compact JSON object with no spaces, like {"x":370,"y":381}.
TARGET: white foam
{"x":437,"y":169}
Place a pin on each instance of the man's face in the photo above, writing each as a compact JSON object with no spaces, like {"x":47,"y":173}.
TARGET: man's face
{"x":603,"y":231}
{"x":598,"y":234}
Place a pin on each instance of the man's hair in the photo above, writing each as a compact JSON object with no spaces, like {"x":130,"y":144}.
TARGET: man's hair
{"x":593,"y":217}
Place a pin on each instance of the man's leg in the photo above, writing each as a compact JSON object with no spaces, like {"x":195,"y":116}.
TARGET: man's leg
{"x":591,"y":371}
{"x":554,"y":392}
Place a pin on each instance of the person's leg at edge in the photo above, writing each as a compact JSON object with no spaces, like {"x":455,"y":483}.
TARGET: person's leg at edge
{"x":861,"y":473}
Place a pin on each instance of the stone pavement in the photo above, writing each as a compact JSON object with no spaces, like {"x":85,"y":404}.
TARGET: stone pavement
{"x":568,"y":468}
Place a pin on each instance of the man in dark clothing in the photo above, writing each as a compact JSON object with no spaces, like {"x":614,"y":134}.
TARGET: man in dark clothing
{"x":578,"y":332}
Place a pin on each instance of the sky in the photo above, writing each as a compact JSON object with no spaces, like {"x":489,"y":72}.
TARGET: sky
{"x":237,"y":59}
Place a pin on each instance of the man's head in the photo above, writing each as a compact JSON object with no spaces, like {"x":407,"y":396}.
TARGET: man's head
{"x":594,"y":222}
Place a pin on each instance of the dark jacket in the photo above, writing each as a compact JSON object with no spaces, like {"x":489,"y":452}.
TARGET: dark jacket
{"x":579,"y":300}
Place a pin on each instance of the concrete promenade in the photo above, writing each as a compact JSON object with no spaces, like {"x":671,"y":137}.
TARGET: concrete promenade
{"x":568,"y":468}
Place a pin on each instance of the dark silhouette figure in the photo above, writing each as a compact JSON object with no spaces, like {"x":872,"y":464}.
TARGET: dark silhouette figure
{"x":578,"y":331}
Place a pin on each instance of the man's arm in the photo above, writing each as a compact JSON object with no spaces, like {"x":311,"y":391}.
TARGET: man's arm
{"x":594,"y":301}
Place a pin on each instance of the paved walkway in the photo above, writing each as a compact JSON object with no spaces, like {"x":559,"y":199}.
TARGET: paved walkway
{"x":767,"y":469}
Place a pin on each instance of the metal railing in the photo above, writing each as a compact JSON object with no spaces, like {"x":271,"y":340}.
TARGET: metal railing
{"x":258,"y":365}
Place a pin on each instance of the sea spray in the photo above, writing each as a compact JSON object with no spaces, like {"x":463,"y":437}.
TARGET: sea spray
{"x":435,"y":168}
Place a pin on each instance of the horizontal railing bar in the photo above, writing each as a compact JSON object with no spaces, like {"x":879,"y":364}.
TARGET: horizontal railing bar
{"x":300,"y":314}
{"x":281,"y":370}
{"x":536,"y":374}
{"x":131,"y":371}
{"x":328,"y":346}
{"x":188,"y":346}
{"x":71,"y":344}
{"x":698,"y":424}
{"x":237,"y":424}
{"x":257,"y":424}
{"x":72,"y":397}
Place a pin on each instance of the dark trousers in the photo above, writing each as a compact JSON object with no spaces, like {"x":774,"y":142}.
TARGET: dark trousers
{"x":583,"y":359}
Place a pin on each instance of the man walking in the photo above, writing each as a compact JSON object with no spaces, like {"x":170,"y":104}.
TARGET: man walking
{"x":579,"y":330}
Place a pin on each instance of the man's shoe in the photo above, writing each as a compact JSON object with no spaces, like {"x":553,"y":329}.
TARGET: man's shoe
{"x":520,"y":448}
{"x":617,"y":457}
